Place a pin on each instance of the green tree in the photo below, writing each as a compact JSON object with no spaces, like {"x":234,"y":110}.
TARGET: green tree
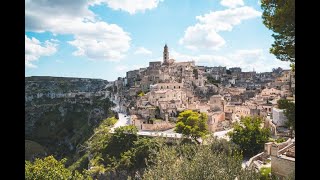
{"x":108,"y":121}
{"x":192,"y":124}
{"x":249,"y":135}
{"x":49,"y":168}
{"x":142,"y":149}
{"x":289,"y":111}
{"x":279,"y":16}
{"x":111,"y":153}
{"x":121,"y":141}
{"x":198,"y":163}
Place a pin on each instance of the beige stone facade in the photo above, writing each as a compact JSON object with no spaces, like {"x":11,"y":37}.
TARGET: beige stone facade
{"x":216,"y":103}
{"x":215,"y":120}
{"x":283,"y":159}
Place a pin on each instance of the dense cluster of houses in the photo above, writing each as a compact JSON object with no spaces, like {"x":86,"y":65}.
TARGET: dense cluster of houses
{"x":170,"y":87}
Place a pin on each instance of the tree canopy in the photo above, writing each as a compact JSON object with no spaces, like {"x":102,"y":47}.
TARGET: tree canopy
{"x":249,"y":135}
{"x":49,"y":168}
{"x":279,"y":16}
{"x":192,"y":124}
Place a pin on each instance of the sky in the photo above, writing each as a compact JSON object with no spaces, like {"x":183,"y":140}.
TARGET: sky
{"x":106,"y":38}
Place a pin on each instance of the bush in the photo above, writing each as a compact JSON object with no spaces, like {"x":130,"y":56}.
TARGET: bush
{"x":265,"y":173}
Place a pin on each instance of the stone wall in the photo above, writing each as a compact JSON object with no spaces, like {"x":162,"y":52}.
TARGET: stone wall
{"x":157,"y":127}
{"x":281,"y":166}
{"x":250,"y":163}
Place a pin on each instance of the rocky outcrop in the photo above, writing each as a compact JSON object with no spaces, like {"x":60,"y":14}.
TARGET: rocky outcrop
{"x":61,"y":113}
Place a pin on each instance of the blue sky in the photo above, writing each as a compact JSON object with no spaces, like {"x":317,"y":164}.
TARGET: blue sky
{"x":105,"y":38}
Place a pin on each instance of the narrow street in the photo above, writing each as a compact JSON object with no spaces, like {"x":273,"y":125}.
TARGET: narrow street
{"x":124,"y":119}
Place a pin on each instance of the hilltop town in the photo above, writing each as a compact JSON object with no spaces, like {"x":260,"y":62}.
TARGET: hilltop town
{"x":166,"y":88}
{"x":154,"y":96}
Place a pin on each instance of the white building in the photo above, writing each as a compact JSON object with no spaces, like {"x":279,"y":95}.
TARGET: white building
{"x":278,"y":117}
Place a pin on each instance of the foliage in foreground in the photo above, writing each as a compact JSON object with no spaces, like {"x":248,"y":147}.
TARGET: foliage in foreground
{"x":152,"y":158}
{"x":279,"y":16}
{"x":249,"y":135}
{"x":124,"y":155}
{"x":264,"y":173}
{"x":198,"y":163}
{"x":50,"y":168}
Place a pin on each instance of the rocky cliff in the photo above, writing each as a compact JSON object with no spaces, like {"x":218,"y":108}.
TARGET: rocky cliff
{"x":61,"y":113}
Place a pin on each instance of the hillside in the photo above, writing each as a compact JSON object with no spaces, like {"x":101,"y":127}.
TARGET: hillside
{"x":61,"y":113}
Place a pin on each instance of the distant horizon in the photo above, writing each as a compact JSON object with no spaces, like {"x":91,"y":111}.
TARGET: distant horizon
{"x":105,"y":39}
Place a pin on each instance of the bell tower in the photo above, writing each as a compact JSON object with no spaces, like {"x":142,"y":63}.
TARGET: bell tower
{"x":165,"y":55}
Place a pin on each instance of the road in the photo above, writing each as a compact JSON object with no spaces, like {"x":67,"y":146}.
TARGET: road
{"x":123,"y":120}
{"x":222,"y":134}
{"x":167,"y":133}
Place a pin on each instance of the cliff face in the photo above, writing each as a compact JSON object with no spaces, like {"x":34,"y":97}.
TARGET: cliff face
{"x":61,"y":113}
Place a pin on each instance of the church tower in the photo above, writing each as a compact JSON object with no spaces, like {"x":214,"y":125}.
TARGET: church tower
{"x":165,"y":55}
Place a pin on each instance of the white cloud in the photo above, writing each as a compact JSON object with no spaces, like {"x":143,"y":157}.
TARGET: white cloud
{"x":131,"y":6}
{"x":93,"y":38}
{"x":34,"y":49}
{"x":257,"y":59}
{"x":226,"y":19}
{"x":142,"y":50}
{"x":204,"y":34}
{"x":232,"y":3}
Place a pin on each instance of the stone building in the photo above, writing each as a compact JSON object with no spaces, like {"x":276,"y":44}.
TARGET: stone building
{"x":216,"y":103}
{"x":245,"y":110}
{"x":278,"y":117}
{"x":215,"y":121}
{"x":235,"y":70}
